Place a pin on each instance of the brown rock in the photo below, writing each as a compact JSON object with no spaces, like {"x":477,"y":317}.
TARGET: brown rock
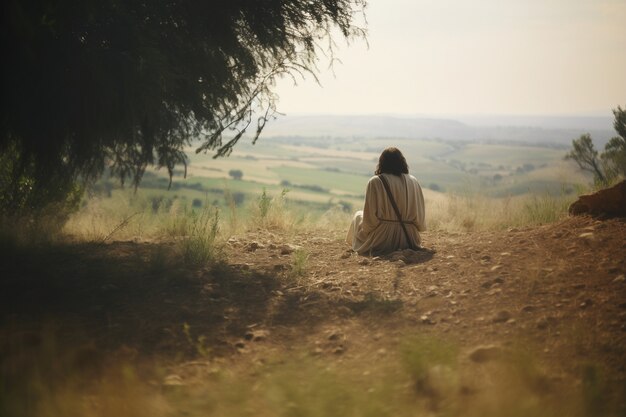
{"x":609,"y":202}
{"x":286,"y":249}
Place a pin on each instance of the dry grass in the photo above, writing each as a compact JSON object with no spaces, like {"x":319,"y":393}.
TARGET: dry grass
{"x":474,"y":212}
{"x":127,"y":216}
{"x":425,"y":377}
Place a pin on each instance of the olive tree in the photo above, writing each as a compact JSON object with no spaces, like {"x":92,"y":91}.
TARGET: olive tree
{"x":88,"y":85}
{"x":608,"y":165}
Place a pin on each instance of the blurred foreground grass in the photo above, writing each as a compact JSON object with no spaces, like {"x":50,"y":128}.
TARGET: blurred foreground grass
{"x":424,"y":377}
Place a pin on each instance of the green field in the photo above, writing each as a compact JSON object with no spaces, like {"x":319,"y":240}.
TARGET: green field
{"x":322,"y":172}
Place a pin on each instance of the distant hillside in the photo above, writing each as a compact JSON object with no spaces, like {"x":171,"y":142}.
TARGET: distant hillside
{"x":543,"y":130}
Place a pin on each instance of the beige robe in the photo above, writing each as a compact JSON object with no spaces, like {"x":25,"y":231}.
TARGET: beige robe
{"x":375,"y":229}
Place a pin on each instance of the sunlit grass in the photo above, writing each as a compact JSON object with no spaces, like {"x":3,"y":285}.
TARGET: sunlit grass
{"x":128,"y":216}
{"x":472,"y":212}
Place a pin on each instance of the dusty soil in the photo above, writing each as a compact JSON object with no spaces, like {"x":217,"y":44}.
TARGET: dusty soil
{"x":559,"y":289}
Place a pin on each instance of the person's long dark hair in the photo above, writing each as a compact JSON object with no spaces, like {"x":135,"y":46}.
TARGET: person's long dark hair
{"x":391,"y":161}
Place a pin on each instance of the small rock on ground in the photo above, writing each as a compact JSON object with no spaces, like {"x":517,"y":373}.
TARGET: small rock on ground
{"x":482,"y":354}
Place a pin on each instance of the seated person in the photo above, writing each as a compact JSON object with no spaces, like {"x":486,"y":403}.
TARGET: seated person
{"x":377,"y":229}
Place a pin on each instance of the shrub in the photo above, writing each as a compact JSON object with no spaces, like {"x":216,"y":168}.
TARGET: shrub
{"x":200,"y":245}
{"x":299,"y":262}
{"x":25,"y":200}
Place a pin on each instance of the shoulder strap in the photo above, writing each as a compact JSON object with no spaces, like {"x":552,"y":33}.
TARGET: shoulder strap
{"x":395,"y":208}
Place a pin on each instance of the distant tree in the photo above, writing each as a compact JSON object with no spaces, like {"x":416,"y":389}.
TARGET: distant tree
{"x":237,"y":174}
{"x":611,"y":163}
{"x":196,"y":203}
{"x":434,"y":187}
{"x":585,"y":155}
{"x":497,"y":177}
{"x":238,"y":198}
{"x":128,"y":84}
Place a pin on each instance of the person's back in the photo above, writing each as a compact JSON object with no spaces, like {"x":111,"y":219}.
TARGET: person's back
{"x":377,"y":229}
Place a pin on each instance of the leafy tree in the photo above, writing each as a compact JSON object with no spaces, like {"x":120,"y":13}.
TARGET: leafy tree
{"x":611,"y":163}
{"x":614,"y":156}
{"x":86,"y":85}
{"x":237,"y":174}
{"x":585,"y":155}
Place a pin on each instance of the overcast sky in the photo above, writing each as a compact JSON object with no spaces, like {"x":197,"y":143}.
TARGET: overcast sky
{"x":447,"y":57}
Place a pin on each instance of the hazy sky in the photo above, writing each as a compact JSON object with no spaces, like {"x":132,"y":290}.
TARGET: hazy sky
{"x":476,"y":57}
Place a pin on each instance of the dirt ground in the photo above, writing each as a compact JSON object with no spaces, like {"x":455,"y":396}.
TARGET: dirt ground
{"x":559,"y":288}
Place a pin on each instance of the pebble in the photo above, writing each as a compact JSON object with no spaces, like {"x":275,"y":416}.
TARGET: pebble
{"x":173,"y":380}
{"x":588,"y":302}
{"x":339,"y":350}
{"x":425,"y":319}
{"x":335,"y":335}
{"x":257,"y":335}
{"x":286,"y":249}
{"x":482,"y":354}
{"x":543,"y":323}
{"x":501,"y":317}
{"x":619,"y":279}
{"x":587,"y":235}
